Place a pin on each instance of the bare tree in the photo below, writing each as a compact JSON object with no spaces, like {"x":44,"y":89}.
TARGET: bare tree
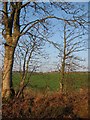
{"x":28,"y":51}
{"x":16,"y":24}
{"x":73,"y":43}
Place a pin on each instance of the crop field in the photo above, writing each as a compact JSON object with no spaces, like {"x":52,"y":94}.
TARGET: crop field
{"x":42,"y":81}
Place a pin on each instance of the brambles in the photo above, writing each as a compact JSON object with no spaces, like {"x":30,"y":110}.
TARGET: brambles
{"x":51,"y":105}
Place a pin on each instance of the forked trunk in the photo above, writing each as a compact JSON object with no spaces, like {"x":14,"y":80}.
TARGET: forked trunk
{"x":11,"y":33}
{"x":7,"y":71}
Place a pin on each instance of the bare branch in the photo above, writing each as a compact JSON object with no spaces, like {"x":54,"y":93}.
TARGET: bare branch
{"x":24,"y":5}
{"x":41,"y":20}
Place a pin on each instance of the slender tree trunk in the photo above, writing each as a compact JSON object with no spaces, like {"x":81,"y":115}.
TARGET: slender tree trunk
{"x":62,"y":76}
{"x":7,"y":71}
{"x":63,"y":62}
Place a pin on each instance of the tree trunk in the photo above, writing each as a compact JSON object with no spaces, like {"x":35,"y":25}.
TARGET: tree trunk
{"x":62,"y":76}
{"x":11,"y":33}
{"x":7,"y":71}
{"x":63,"y":62}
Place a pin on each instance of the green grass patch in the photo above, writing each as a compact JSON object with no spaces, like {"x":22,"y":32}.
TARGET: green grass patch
{"x":40,"y":81}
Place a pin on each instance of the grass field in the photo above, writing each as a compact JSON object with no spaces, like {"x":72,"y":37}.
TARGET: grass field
{"x":40,"y":81}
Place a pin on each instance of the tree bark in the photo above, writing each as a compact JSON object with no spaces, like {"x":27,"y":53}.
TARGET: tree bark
{"x":7,"y":71}
{"x":62,"y":76}
{"x":11,"y":34}
{"x":63,"y":62}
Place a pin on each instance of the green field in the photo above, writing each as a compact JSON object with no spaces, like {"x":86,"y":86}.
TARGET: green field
{"x":40,"y":81}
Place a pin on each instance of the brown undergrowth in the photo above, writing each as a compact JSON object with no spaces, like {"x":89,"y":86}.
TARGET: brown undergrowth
{"x":47,"y":105}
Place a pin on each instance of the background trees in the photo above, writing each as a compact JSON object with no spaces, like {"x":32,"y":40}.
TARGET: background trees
{"x":26,"y":57}
{"x":73,"y":42}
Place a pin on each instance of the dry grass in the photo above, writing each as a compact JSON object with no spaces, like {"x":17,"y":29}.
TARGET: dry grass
{"x":48,"y":105}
